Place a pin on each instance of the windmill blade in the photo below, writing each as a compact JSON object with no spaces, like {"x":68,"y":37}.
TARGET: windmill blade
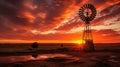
{"x":82,"y":11}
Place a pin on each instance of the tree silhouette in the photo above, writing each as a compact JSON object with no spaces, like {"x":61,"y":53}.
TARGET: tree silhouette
{"x":35,"y":45}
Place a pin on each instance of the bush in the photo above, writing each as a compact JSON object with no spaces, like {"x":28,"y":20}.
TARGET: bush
{"x":35,"y":45}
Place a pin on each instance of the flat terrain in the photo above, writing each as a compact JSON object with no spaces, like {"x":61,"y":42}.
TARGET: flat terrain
{"x":55,"y":55}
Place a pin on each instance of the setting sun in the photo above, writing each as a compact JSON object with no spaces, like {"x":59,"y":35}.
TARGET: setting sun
{"x":79,"y":41}
{"x":80,"y":44}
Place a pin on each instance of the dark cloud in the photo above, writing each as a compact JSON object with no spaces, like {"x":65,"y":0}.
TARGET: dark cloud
{"x":102,"y":2}
{"x":14,"y":12}
{"x":10,"y":9}
{"x":19,"y":17}
{"x":108,"y":13}
{"x":114,"y":9}
{"x":97,"y":2}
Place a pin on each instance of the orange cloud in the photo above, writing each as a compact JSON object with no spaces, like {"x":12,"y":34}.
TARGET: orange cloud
{"x":56,"y":20}
{"x":27,"y":15}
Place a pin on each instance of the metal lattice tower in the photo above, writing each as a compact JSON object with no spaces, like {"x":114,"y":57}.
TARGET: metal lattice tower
{"x":87,"y":13}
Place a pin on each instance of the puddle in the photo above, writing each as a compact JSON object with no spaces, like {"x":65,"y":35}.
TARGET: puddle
{"x":46,"y":57}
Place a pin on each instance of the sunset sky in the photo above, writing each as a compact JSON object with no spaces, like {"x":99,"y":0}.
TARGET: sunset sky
{"x":57,"y":21}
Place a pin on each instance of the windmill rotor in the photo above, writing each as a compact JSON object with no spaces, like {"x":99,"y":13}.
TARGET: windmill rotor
{"x":91,"y":12}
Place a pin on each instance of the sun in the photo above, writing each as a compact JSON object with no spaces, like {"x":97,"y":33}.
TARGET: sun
{"x":79,"y":44}
{"x":79,"y":41}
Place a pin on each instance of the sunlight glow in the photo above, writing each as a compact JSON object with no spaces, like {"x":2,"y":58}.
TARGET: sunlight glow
{"x":79,"y":41}
{"x":80,"y":44}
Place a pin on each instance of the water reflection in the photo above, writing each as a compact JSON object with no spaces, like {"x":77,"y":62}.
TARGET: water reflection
{"x":35,"y":56}
{"x":11,"y":59}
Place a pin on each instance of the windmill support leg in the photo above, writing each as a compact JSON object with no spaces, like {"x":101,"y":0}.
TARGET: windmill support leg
{"x":87,"y":37}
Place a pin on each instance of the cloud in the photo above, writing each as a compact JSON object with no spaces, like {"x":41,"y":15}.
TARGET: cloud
{"x":54,"y":19}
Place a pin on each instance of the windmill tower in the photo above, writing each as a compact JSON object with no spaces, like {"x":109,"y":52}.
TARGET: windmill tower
{"x":87,"y":13}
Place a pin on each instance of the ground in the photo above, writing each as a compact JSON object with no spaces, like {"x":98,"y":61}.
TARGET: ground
{"x":61,"y":57}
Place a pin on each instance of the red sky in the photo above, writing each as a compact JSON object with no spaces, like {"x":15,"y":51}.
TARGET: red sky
{"x":57,"y":21}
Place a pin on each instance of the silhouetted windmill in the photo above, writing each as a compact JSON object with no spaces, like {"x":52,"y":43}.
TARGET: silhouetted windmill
{"x":87,"y":13}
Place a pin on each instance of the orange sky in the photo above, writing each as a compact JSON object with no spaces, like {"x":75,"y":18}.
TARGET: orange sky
{"x":57,"y":21}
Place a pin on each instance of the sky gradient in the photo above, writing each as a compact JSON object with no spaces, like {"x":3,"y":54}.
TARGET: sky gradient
{"x":57,"y":21}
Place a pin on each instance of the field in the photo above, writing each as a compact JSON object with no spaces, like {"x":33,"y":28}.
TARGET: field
{"x":55,"y":55}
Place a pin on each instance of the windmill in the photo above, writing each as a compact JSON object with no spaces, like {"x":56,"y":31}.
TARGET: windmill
{"x":87,"y":13}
